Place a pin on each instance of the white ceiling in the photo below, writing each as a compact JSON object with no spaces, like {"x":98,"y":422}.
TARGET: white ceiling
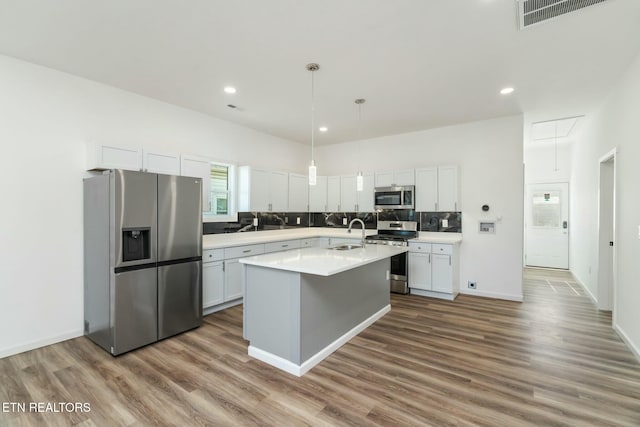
{"x":419,"y":63}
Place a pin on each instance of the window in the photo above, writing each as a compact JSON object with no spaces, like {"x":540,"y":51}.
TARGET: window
{"x":221,"y":193}
{"x":546,"y":209}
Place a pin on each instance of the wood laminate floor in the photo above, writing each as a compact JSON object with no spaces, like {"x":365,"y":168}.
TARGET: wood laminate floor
{"x":550,"y":361}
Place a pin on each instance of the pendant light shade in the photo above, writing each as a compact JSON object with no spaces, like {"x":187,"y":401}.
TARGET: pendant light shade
{"x":312,"y":173}
{"x":359,"y":177}
{"x":312,"y":167}
{"x":359,"y":182}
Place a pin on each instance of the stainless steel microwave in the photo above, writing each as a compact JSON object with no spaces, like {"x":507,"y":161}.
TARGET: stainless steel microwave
{"x":400,"y":197}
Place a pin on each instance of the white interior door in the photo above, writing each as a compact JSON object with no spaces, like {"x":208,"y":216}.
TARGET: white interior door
{"x":547,"y":226}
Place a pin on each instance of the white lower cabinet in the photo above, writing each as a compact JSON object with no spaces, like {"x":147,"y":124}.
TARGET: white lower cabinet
{"x":433,"y":270}
{"x":442,"y":273}
{"x":232,"y":279}
{"x":420,"y":271}
{"x":212,"y":283}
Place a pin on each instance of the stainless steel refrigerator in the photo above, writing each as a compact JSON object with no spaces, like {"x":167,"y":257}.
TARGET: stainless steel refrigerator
{"x":142,"y":258}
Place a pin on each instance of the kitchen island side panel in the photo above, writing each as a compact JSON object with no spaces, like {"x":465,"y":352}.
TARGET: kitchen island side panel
{"x":330,"y":306}
{"x":272,"y":311}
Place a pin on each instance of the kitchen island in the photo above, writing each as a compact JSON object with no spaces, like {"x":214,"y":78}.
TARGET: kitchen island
{"x":302,"y":305}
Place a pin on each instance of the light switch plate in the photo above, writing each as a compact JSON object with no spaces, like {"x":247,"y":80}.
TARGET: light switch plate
{"x":445,"y":223}
{"x":344,"y":221}
{"x":298,"y":220}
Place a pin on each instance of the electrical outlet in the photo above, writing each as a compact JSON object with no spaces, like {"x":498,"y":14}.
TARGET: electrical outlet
{"x":445,"y":223}
{"x":344,"y":221}
{"x":255,"y":222}
{"x":472,"y":285}
{"x":286,"y":220}
{"x":298,"y":220}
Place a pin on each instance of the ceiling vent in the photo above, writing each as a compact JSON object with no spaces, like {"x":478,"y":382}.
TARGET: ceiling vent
{"x":531,"y":12}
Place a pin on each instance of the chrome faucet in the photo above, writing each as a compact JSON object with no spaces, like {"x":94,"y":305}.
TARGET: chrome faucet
{"x":361,"y":222}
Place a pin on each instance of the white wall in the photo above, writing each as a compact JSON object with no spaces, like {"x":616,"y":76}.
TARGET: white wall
{"x":46,"y":117}
{"x":540,"y":162}
{"x":489,"y":154}
{"x":614,"y":124}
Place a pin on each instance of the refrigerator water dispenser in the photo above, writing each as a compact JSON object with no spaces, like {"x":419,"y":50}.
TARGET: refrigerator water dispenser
{"x":135,"y":244}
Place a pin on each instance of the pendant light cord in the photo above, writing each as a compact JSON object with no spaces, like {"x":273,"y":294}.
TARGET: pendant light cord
{"x":313,"y":111}
{"x":556,"y":148}
{"x":359,"y":136}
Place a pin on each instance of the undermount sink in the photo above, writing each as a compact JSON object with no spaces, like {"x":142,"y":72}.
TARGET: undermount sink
{"x":345,"y":247}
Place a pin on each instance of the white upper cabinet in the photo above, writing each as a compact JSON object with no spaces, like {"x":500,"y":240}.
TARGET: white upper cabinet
{"x":395,"y":177}
{"x":365,"y":197}
{"x":348,"y":194}
{"x":198,"y":167}
{"x":437,"y":189}
{"x":279,"y":191}
{"x":333,"y":194}
{"x":384,"y":179}
{"x":262,"y":191}
{"x":448,"y":189}
{"x":156,"y":162}
{"x":318,"y":195}
{"x":106,"y":156}
{"x":427,"y":189}
{"x":352,"y":200}
{"x":298,"y":193}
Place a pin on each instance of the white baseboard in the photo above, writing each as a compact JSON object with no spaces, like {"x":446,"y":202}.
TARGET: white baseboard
{"x":440,"y":295}
{"x":6,"y":352}
{"x":220,"y":307}
{"x":496,"y":295}
{"x":586,"y":289}
{"x":300,"y":370}
{"x":628,"y":342}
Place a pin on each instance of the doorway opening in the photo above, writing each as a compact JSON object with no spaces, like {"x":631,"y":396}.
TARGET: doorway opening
{"x":547,"y":225}
{"x":607,"y":232}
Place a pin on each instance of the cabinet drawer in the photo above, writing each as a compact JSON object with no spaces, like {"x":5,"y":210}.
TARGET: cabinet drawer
{"x":442,"y":249}
{"x":242,"y":251}
{"x":419,"y":247}
{"x":281,"y":246}
{"x":210,"y":255}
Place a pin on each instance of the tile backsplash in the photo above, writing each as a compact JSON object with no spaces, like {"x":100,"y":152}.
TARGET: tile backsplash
{"x":428,"y":221}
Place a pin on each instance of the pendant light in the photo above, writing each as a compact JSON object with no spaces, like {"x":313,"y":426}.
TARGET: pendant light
{"x":359,"y":177}
{"x":312,"y":167}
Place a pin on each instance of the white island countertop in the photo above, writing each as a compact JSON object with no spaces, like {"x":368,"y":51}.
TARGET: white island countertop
{"x":323,"y":261}
{"x":215,"y":241}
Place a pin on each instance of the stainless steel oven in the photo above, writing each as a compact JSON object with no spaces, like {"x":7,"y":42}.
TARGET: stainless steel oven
{"x":398,"y":197}
{"x":396,"y":233}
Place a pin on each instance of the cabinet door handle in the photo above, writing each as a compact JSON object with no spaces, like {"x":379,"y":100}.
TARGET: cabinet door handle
{"x":429,"y":258}
{"x":449,"y":260}
{"x":436,"y":206}
{"x":285,"y":246}
{"x":246,"y":251}
{"x":455,"y":206}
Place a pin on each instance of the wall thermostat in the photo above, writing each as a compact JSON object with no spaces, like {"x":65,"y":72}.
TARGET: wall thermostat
{"x":485,"y":208}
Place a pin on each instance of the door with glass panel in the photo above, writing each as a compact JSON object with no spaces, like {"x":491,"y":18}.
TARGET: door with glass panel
{"x":547,"y":225}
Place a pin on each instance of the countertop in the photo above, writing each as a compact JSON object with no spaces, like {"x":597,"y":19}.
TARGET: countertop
{"x":434,"y":237}
{"x":323,"y":261}
{"x":215,"y":241}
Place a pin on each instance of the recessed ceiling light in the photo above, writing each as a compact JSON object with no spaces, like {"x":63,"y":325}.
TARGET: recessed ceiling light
{"x":230,"y":89}
{"x":507,"y":90}
{"x":323,"y":128}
